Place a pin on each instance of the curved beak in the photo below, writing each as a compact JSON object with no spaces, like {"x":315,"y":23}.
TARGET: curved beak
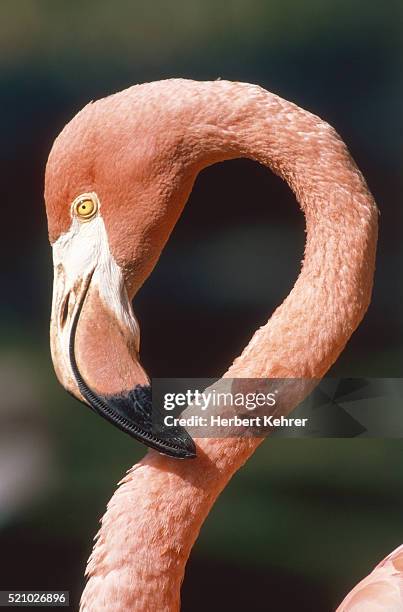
{"x":95,"y":346}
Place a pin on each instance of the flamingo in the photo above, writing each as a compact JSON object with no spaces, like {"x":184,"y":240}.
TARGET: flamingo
{"x":117,"y":179}
{"x":381,"y":590}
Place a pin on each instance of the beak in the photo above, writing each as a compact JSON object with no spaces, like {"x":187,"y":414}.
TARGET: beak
{"x":95,"y":351}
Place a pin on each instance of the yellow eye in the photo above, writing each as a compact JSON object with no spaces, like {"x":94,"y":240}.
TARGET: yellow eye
{"x":85,"y":208}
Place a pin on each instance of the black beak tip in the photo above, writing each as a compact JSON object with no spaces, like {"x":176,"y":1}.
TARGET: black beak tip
{"x":189,"y":447}
{"x":133,"y":413}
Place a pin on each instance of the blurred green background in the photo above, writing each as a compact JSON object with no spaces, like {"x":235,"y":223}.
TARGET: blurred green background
{"x":305,"y":519}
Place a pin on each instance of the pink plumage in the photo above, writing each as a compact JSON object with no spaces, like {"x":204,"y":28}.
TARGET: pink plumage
{"x":156,"y":138}
{"x":381,"y":590}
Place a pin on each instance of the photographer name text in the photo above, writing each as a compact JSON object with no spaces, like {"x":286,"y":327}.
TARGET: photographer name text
{"x":235,"y":421}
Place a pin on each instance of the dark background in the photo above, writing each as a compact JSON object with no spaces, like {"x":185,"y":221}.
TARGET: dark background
{"x":305,"y":519}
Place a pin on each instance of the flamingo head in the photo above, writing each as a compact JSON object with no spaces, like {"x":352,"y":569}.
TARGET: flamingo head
{"x":111,"y":179}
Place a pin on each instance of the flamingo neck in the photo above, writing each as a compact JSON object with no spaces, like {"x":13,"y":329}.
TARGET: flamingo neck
{"x":309,"y":330}
{"x":155,"y":515}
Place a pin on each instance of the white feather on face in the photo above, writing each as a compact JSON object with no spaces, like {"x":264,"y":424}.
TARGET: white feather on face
{"x":79,"y":253}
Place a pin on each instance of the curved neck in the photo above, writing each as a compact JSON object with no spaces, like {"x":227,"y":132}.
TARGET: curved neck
{"x":309,"y":330}
{"x":155,"y":515}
